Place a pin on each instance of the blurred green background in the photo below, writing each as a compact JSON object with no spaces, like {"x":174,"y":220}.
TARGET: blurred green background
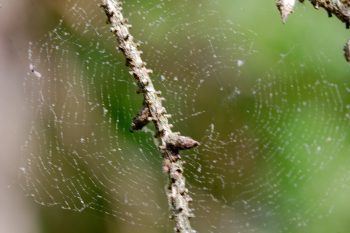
{"x":268,"y":102}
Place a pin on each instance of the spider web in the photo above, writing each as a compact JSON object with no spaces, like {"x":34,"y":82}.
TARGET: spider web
{"x":274,"y":141}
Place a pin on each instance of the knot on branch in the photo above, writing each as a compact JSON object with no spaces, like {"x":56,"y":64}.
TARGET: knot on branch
{"x":141,"y":119}
{"x":176,"y":142}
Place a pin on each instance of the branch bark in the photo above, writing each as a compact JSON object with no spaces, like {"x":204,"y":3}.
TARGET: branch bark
{"x":152,"y":110}
{"x":339,"y":8}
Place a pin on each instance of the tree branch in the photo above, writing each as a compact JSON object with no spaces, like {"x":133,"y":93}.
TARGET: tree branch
{"x":339,"y":8}
{"x":153,"y":110}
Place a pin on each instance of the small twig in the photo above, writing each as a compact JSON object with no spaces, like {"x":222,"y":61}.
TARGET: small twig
{"x":153,"y":110}
{"x":339,"y":8}
{"x":285,"y":8}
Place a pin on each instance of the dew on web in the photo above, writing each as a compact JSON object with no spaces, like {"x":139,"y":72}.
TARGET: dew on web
{"x":273,"y":152}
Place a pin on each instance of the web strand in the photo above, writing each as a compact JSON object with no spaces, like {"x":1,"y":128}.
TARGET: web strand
{"x":274,"y":137}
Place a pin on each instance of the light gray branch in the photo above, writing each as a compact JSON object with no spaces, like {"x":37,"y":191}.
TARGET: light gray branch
{"x":339,"y":8}
{"x":153,"y":110}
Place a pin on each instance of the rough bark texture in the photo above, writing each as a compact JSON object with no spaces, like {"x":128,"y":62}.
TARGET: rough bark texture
{"x":285,"y":8}
{"x":153,"y":110}
{"x":339,"y":8}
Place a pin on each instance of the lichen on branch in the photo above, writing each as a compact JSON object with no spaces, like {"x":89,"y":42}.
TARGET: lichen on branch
{"x":152,"y":110}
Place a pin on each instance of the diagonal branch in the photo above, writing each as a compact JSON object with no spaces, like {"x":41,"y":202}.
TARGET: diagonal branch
{"x":339,"y":8}
{"x":153,"y":110}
